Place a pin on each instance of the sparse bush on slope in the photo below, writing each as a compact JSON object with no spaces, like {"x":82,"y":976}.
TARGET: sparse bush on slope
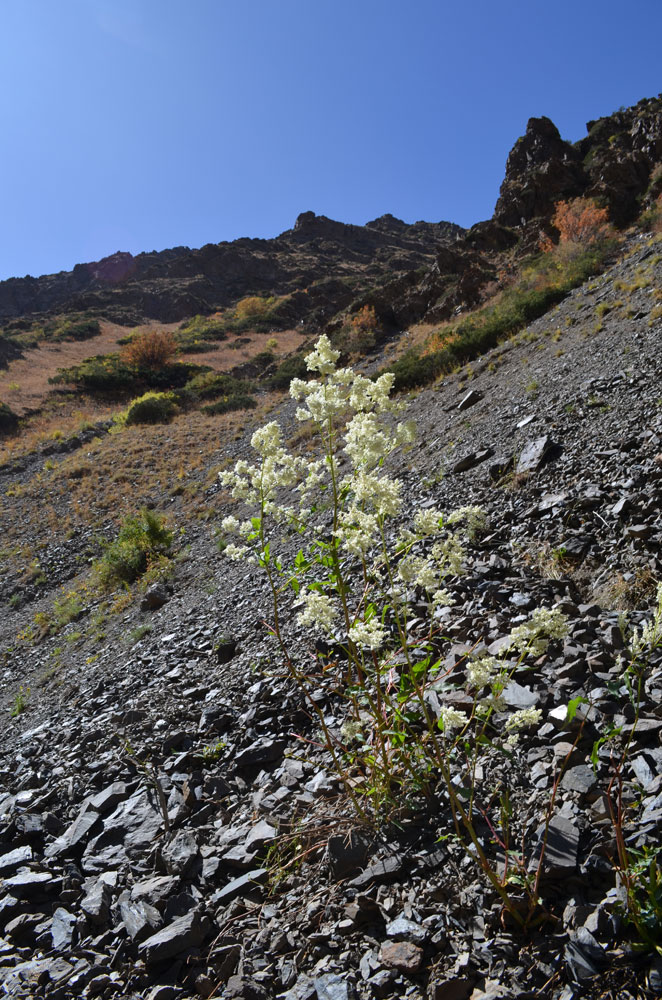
{"x":141,"y":539}
{"x":544,"y":283}
{"x":108,"y":373}
{"x":154,"y":349}
{"x":152,"y":408}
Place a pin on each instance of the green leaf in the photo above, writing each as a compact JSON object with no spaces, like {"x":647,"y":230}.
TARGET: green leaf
{"x":573,"y":705}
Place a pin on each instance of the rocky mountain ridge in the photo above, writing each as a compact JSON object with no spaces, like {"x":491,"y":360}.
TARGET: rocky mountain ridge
{"x":411,"y":273}
{"x":172,"y":284}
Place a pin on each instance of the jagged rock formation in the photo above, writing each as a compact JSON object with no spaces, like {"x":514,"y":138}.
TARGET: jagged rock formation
{"x":335,"y":258}
{"x":613,"y":164}
{"x":408,"y":273}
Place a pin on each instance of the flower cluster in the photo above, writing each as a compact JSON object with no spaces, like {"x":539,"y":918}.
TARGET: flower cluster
{"x":318,"y":609}
{"x":535,"y":635}
{"x":649,"y":637}
{"x":370,"y":635}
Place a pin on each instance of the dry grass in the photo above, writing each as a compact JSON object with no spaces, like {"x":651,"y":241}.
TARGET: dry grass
{"x":227,"y":356}
{"x":32,"y":371}
{"x":170,"y":467}
{"x":24,"y":383}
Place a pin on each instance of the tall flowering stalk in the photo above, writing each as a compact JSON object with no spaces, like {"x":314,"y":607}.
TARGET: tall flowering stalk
{"x":356,"y":578}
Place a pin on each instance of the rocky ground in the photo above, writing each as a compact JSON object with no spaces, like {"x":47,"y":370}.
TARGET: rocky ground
{"x":164,"y":831}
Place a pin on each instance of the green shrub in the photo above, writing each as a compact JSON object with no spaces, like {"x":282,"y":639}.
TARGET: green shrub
{"x":102,"y":373}
{"x":202,"y":328}
{"x":77,"y":329}
{"x":414,"y":369}
{"x":152,"y":408}
{"x":8,"y":419}
{"x":293,"y":367}
{"x":191,"y":344}
{"x":142,"y":538}
{"x":109,"y":374}
{"x":227,"y":403}
{"x":26,"y":333}
{"x":209,"y":385}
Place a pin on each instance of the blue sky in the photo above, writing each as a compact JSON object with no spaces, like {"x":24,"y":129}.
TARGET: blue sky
{"x":143,"y":124}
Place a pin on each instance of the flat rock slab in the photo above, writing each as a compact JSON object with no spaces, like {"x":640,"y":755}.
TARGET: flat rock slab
{"x":239,"y":886}
{"x":561,"y":848}
{"x":183,"y":933}
{"x":332,"y":987}
{"x":14,"y":859}
{"x":155,"y":891}
{"x":74,"y":835}
{"x":347,"y":853}
{"x":263,"y":751}
{"x":381,"y":873}
{"x":471,"y":460}
{"x":402,"y":955}
{"x":536,"y":453}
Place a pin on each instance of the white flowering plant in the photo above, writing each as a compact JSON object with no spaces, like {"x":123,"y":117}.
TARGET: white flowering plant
{"x":639,"y":870}
{"x":377,"y":592}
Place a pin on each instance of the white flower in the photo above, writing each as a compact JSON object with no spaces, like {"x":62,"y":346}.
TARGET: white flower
{"x":235,"y":552}
{"x":481,"y":672}
{"x":451,"y":718}
{"x":298,"y":389}
{"x":318,"y":610}
{"x":379,"y":491}
{"x":442,"y":599}
{"x":267,"y":440}
{"x":475,"y":519}
{"x":427,"y":522}
{"x":448,"y":553}
{"x":650,"y":636}
{"x":323,"y":358}
{"x":534,"y":636}
{"x":357,"y":531}
{"x":230,"y":524}
{"x":523,"y":719}
{"x":369,"y":634}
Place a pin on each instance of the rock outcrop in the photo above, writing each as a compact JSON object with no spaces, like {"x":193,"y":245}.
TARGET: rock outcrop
{"x":173,"y":284}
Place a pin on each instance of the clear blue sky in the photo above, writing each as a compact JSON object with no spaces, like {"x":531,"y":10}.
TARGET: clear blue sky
{"x":143,"y":124}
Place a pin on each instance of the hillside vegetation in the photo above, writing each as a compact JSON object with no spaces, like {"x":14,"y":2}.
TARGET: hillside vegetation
{"x":302,"y":700}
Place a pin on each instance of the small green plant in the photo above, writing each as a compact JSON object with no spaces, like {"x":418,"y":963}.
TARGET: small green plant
{"x":67,"y":608}
{"x":20,"y":702}
{"x":212,"y":752}
{"x":152,"y":408}
{"x":136,"y":634}
{"x":642,"y":875}
{"x":141,"y":538}
{"x":639,"y":870}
